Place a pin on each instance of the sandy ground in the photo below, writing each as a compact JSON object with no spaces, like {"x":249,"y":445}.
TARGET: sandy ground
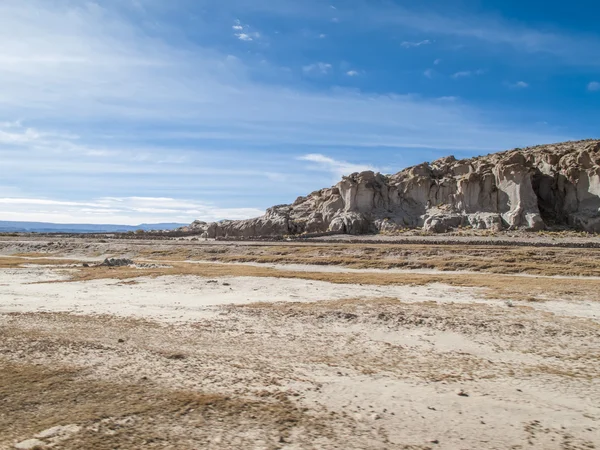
{"x":186,"y":361}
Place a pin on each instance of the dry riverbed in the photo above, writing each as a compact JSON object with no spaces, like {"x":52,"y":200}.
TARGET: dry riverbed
{"x":298,"y":346}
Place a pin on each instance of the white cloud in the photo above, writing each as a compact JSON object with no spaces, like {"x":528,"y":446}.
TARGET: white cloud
{"x":468,"y":73}
{"x":318,"y":68}
{"x":13,"y":124}
{"x":336,"y":167}
{"x":518,"y":85}
{"x":437,"y":61}
{"x":428,"y":73}
{"x":570,"y":47}
{"x":244,"y":37}
{"x":408,"y":44}
{"x":16,"y":134}
{"x":24,"y":137}
{"x":463,"y":74}
{"x":593,"y":86}
{"x":244,"y":33}
{"x":104,"y":103}
{"x":352,"y":73}
{"x":118,"y":210}
{"x":322,"y":36}
{"x":127,"y":78}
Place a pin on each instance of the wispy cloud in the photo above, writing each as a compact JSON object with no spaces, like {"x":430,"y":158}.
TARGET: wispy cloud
{"x":518,"y":85}
{"x":96,"y":103}
{"x":119,"y":210}
{"x":247,"y":36}
{"x":125,"y":77}
{"x":318,"y":68}
{"x":243,"y":32}
{"x":408,"y":44}
{"x":353,"y":73}
{"x":437,"y":61}
{"x":462,"y":74}
{"x":593,"y":86}
{"x":17,"y":134}
{"x":569,"y":47}
{"x":468,"y":73}
{"x":428,"y":73}
{"x":336,"y":167}
{"x":237,"y":25}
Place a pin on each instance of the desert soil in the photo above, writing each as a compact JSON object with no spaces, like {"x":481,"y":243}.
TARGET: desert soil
{"x":313,"y":345}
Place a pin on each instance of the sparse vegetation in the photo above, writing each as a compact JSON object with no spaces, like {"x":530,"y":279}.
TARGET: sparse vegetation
{"x":364,"y":372}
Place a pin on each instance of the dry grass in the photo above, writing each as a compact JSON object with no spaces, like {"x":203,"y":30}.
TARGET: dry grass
{"x":452,"y":257}
{"x":488,"y":267}
{"x":466,"y":318}
{"x":34,"y":398}
{"x":13,"y":262}
{"x":34,"y":254}
{"x":492,"y":259}
{"x":495,"y":285}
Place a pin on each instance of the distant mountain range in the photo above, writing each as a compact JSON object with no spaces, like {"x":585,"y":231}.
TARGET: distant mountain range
{"x":43,"y":227}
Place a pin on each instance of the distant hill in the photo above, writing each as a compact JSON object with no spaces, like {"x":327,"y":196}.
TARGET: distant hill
{"x":44,"y":227}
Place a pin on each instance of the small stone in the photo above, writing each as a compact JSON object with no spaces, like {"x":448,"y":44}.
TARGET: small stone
{"x":435,"y":441}
{"x":375,"y":417}
{"x":117,"y":262}
{"x":58,"y":430}
{"x":120,"y":341}
{"x":462,"y":393}
{"x":30,"y":444}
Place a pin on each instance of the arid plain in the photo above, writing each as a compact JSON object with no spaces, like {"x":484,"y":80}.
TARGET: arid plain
{"x":452,"y":343}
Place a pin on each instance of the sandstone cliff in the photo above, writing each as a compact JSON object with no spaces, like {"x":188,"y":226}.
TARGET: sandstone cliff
{"x":532,"y":188}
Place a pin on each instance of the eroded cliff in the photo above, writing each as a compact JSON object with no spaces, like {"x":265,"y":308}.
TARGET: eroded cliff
{"x":532,"y":188}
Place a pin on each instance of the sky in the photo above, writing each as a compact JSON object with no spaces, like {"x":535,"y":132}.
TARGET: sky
{"x":146,"y":111}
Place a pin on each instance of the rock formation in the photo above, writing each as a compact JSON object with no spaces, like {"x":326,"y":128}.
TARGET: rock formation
{"x":532,"y":188}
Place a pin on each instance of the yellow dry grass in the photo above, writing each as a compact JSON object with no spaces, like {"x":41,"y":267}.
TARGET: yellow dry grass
{"x":491,"y":259}
{"x":11,"y":262}
{"x":495,"y":285}
{"x":487,"y":267}
{"x":34,"y":398}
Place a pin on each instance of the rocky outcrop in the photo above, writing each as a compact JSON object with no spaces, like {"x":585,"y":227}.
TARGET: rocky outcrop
{"x":532,"y":188}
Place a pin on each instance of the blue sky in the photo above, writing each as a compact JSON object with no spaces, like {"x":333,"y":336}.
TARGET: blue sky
{"x":130,"y":111}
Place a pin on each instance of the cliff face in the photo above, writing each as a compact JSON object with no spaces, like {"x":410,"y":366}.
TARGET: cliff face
{"x":531,"y":188}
